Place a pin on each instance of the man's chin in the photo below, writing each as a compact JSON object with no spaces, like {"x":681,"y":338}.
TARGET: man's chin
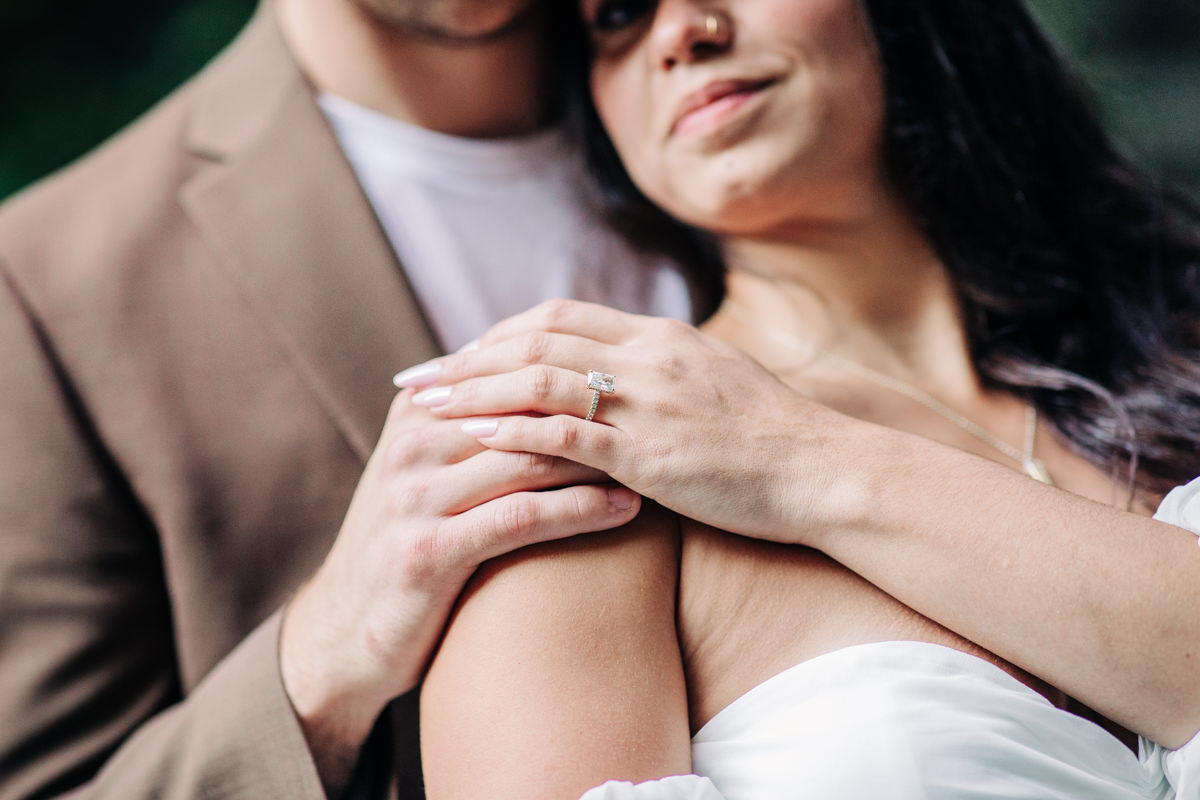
{"x":462,"y":23}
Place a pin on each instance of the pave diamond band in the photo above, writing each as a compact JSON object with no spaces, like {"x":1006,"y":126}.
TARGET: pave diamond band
{"x":599,"y":382}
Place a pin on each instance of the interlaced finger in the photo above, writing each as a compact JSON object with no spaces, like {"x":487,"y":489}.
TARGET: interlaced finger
{"x":495,"y":473}
{"x":518,"y":520}
{"x":573,"y":317}
{"x":431,"y":444}
{"x":532,"y":390}
{"x":550,"y":349}
{"x":596,"y":446}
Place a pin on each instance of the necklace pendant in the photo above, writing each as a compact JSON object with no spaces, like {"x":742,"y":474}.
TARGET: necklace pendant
{"x":1035,"y":469}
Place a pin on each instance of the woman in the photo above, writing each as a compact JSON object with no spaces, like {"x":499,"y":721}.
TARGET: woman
{"x":927,"y":235}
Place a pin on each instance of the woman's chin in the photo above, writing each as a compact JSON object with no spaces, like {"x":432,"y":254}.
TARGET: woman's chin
{"x":728,"y":210}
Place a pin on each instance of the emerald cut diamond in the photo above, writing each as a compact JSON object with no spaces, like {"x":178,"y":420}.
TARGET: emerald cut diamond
{"x":602,"y":381}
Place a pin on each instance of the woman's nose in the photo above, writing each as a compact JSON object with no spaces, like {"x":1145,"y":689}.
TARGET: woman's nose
{"x":687,"y":32}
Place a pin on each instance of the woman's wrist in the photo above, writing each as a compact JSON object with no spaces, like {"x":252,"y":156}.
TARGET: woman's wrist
{"x":844,"y":486}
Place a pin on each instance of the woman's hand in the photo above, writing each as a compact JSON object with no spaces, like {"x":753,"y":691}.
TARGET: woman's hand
{"x":974,"y":545}
{"x":694,"y":423}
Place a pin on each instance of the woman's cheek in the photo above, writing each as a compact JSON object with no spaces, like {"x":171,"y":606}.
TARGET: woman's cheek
{"x":623,"y":110}
{"x":812,"y":20}
{"x":607,"y":93}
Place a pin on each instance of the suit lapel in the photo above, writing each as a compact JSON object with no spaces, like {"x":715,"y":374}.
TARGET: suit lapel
{"x":282,"y":209}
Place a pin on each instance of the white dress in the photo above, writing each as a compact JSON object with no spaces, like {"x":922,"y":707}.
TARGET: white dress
{"x":908,"y":720}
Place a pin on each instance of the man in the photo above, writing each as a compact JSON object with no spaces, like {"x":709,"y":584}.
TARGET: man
{"x":197,"y":328}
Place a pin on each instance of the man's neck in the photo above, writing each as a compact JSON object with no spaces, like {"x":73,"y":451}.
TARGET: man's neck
{"x":486,"y":89}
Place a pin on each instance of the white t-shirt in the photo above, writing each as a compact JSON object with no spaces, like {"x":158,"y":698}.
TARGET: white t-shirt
{"x":488,"y":228}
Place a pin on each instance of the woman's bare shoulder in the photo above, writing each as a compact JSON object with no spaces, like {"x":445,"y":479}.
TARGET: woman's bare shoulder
{"x":562,"y":658}
{"x":750,"y":609}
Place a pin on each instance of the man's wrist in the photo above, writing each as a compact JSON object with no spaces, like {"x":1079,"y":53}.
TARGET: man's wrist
{"x":336,"y":717}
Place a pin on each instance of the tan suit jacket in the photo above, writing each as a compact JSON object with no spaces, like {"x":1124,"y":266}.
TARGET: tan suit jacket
{"x":198,"y":324}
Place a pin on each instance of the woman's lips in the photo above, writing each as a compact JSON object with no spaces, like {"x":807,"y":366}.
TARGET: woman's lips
{"x":713,"y":104}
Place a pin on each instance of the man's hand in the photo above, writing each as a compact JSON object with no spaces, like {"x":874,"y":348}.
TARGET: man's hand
{"x":431,"y":506}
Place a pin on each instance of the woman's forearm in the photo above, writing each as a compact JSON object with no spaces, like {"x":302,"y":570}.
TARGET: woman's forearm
{"x":1099,"y":602}
{"x":560,"y":670}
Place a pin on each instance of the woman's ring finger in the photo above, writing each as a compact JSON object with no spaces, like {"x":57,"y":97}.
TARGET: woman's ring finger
{"x":599,"y":382}
{"x":537,"y":389}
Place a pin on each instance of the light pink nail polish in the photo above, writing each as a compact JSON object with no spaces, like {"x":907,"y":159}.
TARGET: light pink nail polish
{"x":432,"y":398}
{"x":481,"y":428}
{"x":420,"y":375}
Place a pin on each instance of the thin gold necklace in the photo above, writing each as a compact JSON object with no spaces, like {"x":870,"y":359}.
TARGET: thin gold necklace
{"x":1033,"y":467}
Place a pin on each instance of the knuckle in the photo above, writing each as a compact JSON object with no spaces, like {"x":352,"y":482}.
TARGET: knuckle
{"x":539,"y":382}
{"x":412,"y":496}
{"x":408,"y":448}
{"x":553,"y":312}
{"x":564,"y":432}
{"x":535,"y":465}
{"x":399,"y":454}
{"x":464,"y":394}
{"x":533,"y":347}
{"x":582,"y":507}
{"x":668,"y":327}
{"x":672,"y":365}
{"x":518,"y":516}
{"x":422,"y":556}
{"x":453,"y":368}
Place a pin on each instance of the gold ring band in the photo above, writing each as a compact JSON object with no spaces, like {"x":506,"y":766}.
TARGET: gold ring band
{"x":599,"y":382}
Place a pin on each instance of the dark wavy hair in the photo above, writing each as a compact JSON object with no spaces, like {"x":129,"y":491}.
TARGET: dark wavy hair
{"x":1078,"y":274}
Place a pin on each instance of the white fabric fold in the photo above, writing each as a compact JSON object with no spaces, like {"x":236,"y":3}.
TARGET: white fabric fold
{"x":1181,"y":507}
{"x":676,"y":787}
{"x":898,"y":720}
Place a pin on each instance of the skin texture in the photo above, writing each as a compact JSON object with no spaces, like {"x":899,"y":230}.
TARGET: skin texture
{"x":460,"y":67}
{"x":429,"y":509}
{"x":979,"y":537}
{"x":464,"y":22}
{"x":583,"y":680}
{"x":819,"y":120}
{"x":912,"y":503}
{"x":431,"y":506}
{"x":560,"y":669}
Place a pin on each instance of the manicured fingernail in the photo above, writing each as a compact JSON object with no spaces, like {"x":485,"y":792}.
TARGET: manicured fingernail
{"x":420,"y":375}
{"x":432,"y":398}
{"x":481,"y":428}
{"x":471,"y":345}
{"x":621,"y":499}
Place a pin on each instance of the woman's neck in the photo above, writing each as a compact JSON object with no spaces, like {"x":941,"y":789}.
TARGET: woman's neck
{"x":871,"y":290}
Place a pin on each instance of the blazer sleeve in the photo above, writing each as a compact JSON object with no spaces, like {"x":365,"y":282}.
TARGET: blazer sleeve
{"x":90,"y":702}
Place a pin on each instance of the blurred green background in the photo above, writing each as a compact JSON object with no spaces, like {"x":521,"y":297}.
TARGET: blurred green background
{"x":73,"y":72}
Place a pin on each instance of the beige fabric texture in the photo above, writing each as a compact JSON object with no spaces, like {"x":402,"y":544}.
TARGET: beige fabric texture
{"x":198,"y":326}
